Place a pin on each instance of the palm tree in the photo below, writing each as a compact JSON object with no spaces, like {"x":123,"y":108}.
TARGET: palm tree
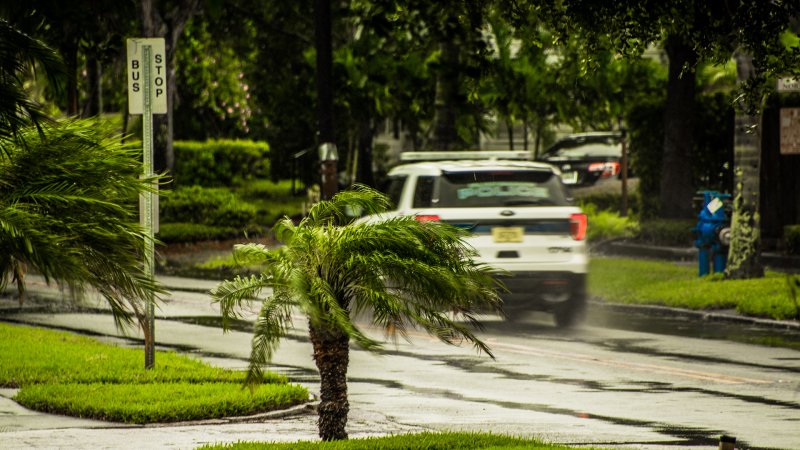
{"x":68,"y":197}
{"x":68,"y":191}
{"x":400,"y":271}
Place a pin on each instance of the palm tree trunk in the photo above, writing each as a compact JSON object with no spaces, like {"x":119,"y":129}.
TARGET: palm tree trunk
{"x":332,"y":355}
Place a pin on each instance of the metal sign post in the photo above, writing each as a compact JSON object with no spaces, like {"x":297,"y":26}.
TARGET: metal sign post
{"x":147,"y":96}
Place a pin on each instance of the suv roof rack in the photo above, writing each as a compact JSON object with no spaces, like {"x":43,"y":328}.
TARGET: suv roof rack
{"x":524,"y":155}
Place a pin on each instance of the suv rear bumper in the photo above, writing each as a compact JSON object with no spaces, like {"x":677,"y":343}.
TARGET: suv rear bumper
{"x":542,"y":290}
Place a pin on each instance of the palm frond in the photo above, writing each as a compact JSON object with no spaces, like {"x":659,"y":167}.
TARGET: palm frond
{"x":271,"y":326}
{"x":361,"y":199}
{"x":232,"y":295}
{"x":284,"y":229}
{"x":250,"y":254}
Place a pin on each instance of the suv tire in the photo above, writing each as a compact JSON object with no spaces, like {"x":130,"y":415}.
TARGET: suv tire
{"x":570,"y":313}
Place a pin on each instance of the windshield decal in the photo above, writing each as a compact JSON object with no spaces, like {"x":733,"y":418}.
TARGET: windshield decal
{"x":502,"y":189}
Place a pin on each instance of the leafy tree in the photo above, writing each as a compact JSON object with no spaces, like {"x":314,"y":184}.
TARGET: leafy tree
{"x":504,"y":90}
{"x":693,"y":32}
{"x":398,"y":272}
{"x":88,"y":35}
{"x":284,"y":94}
{"x":213,"y":99}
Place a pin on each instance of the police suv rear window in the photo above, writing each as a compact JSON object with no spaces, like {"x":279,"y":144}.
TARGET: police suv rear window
{"x":491,"y":188}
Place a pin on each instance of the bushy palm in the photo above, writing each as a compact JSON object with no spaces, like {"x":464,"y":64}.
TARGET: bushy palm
{"x":400,"y":272}
{"x":67,"y":209}
{"x":67,"y":191}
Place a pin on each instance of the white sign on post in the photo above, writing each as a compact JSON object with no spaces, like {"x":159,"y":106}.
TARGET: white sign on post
{"x":788,"y":85}
{"x":158,"y":75}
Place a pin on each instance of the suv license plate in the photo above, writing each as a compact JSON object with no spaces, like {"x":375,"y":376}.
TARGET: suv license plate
{"x":569,"y":177}
{"x":507,"y":234}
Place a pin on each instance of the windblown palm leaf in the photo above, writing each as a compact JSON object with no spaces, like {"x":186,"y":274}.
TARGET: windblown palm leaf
{"x":20,"y":54}
{"x":402,"y":272}
{"x":67,"y":209}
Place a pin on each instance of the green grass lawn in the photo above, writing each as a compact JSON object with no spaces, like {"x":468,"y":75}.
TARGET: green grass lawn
{"x":426,"y":441}
{"x":638,"y":281}
{"x":75,"y":375}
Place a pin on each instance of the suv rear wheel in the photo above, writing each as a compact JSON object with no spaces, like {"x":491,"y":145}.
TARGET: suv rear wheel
{"x":571,"y":312}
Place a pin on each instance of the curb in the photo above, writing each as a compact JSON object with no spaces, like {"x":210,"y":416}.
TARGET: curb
{"x":294,"y":411}
{"x":710,"y":316}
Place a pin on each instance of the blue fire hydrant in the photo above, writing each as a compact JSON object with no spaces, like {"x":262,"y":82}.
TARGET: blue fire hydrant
{"x":712,"y":233}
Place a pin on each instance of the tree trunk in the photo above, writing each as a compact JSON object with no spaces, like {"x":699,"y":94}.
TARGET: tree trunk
{"x":445,"y":135}
{"x":676,"y":180}
{"x":169,"y":25}
{"x":331,"y":354}
{"x":69,"y":51}
{"x":525,"y":134}
{"x":744,"y":254}
{"x":92,"y":106}
{"x":363,"y":170}
{"x":327,"y":140}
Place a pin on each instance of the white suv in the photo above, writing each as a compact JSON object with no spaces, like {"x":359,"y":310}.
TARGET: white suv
{"x":520,"y":217}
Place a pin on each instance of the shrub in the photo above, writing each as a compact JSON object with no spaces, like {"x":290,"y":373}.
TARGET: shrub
{"x":197,"y":213}
{"x":667,"y":232}
{"x":219,"y":162}
{"x":207,"y":206}
{"x":791,"y":239}
{"x":605,"y":224}
{"x":611,"y":201}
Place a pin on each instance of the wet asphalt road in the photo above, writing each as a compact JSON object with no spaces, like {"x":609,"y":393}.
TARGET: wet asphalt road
{"x":613,"y":382}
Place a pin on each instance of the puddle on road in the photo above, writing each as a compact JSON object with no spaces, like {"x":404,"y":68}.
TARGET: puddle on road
{"x":216,"y":322}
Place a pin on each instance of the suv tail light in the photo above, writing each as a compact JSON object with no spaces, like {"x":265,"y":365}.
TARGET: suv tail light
{"x":577,"y":226}
{"x":426,"y":218}
{"x":608,"y":169}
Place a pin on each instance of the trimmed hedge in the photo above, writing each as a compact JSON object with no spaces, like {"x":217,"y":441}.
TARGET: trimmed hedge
{"x":219,"y":162}
{"x":199,"y":213}
{"x":173,"y":233}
